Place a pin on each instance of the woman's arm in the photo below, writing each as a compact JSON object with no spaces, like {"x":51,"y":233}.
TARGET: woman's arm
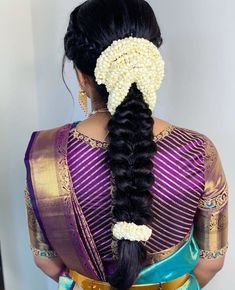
{"x":52,"y":267}
{"x":44,"y":255}
{"x":211,"y":219}
{"x":206,"y":269}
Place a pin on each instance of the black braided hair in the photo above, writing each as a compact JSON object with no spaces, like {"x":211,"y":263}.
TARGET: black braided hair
{"x":93,"y":26}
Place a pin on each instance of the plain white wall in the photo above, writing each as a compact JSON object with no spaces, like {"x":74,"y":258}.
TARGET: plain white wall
{"x":197,"y":93}
{"x":18,"y":117}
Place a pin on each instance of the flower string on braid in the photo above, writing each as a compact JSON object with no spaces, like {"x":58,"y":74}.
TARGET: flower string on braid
{"x":131,"y":231}
{"x":126,"y":61}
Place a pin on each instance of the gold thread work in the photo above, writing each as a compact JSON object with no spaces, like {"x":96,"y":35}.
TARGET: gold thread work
{"x":43,"y":253}
{"x":213,"y":254}
{"x":215,"y":202}
{"x":103,"y":144}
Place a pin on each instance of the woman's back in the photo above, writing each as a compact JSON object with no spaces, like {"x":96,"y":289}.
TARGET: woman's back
{"x":180,"y":169}
{"x":190,"y":189}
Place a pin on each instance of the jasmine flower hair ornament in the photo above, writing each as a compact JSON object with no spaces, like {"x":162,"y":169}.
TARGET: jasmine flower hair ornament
{"x":131,"y":231}
{"x":126,"y":61}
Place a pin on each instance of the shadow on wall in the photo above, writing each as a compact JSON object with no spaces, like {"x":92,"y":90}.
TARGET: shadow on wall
{"x":1,"y":273}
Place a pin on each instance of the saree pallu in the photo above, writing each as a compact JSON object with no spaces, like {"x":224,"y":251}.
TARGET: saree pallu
{"x":61,"y":218}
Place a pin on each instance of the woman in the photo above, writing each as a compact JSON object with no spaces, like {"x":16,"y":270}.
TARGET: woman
{"x":123,"y":199}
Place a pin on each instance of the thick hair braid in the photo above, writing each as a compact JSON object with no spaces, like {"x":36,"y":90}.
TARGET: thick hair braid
{"x":93,"y":26}
{"x":130,"y":149}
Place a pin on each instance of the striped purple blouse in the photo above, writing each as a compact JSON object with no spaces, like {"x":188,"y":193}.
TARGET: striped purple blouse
{"x":179,"y":184}
{"x":190,"y":189}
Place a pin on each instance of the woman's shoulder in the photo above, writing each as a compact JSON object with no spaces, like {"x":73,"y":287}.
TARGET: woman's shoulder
{"x":203,"y":140}
{"x":200,"y":142}
{"x":183,"y":131}
{"x":50,"y":129}
{"x":41,"y":139}
{"x":193,"y":134}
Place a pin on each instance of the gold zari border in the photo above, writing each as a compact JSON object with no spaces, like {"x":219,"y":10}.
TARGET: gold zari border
{"x":216,"y":202}
{"x":43,"y":253}
{"x":103,"y":144}
{"x":90,"y":141}
{"x":213,"y":254}
{"x":27,"y":197}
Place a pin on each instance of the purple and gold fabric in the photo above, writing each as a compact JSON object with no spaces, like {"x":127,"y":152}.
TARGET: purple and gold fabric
{"x":68,"y":182}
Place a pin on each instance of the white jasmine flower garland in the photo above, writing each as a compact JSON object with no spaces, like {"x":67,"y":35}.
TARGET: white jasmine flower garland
{"x":127,"y":61}
{"x":131,"y":231}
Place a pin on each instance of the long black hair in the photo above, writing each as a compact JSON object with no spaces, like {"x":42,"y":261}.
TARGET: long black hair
{"x":93,"y":26}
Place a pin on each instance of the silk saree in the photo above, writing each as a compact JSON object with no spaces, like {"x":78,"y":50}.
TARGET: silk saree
{"x":64,"y":219}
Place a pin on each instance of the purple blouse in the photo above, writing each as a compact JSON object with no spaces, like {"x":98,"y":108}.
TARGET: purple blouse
{"x":190,"y":188}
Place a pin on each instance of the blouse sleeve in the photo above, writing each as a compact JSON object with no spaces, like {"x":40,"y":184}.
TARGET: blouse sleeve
{"x":38,"y":243}
{"x":211,"y":219}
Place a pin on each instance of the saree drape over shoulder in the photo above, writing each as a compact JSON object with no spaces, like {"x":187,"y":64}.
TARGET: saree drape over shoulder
{"x":68,"y":202}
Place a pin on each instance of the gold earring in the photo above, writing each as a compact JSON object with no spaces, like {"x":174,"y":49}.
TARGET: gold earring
{"x":83,"y":100}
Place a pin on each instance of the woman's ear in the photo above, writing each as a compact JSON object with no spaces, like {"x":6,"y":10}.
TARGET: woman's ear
{"x":79,"y":77}
{"x":82,"y":78}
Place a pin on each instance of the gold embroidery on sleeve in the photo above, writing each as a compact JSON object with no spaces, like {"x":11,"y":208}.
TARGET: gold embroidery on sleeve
{"x":213,"y":254}
{"x":43,"y":253}
{"x":211,"y":218}
{"x":216,"y":202}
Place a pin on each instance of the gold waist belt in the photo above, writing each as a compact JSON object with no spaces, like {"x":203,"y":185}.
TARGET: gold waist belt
{"x":87,"y":283}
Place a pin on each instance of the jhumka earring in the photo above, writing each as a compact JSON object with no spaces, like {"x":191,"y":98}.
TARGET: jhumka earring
{"x":83,"y":100}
